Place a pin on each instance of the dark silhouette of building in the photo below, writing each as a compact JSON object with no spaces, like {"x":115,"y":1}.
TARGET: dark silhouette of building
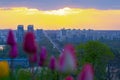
{"x":39,"y":34}
{"x":20,"y":33}
{"x":30,"y":28}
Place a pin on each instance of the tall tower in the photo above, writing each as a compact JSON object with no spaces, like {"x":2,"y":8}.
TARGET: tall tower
{"x":63,"y":32}
{"x":20,"y":33}
{"x":39,"y":33}
{"x":30,"y":28}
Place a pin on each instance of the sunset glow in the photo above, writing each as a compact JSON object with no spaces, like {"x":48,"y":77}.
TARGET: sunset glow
{"x":56,"y":19}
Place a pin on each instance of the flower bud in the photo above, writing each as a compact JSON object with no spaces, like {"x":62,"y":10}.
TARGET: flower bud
{"x":52,"y":64}
{"x":4,"y":69}
{"x":87,"y":73}
{"x":33,"y":58}
{"x":43,"y":56}
{"x":67,"y":59}
{"x":69,"y":78}
{"x":13,"y":52}
{"x":10,"y":38}
{"x":29,"y":44}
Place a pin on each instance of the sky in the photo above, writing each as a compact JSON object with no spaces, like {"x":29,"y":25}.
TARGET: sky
{"x":57,"y":14}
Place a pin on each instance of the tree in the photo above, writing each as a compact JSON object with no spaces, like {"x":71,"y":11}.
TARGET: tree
{"x":96,"y":53}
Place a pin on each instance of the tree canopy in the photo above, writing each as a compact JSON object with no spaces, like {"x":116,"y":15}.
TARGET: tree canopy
{"x":96,"y":53}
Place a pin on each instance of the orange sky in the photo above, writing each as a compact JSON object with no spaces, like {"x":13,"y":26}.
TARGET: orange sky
{"x":57,"y":19}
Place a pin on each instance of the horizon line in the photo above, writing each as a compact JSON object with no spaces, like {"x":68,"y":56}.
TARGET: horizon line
{"x":70,"y":29}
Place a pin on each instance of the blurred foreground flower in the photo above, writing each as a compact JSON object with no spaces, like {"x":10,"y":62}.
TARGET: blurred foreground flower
{"x":29,"y":44}
{"x":43,"y":56}
{"x":4,"y":68}
{"x":52,"y":64}
{"x":33,"y":58}
{"x":69,"y":78}
{"x":10,"y":38}
{"x":87,"y":73}
{"x":67,"y":59}
{"x":13,"y":52}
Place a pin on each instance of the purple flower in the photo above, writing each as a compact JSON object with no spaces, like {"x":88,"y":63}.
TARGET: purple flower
{"x":69,"y":78}
{"x":10,"y":38}
{"x":43,"y":56}
{"x":13,"y":52}
{"x":87,"y":73}
{"x":67,"y":59}
{"x":33,"y":58}
{"x":29,"y":44}
{"x":52,"y":64}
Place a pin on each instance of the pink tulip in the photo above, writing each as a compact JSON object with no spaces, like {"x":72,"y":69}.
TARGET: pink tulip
{"x":10,"y":39}
{"x":87,"y":73}
{"x":13,"y":52}
{"x":52,"y":64}
{"x":43,"y":56}
{"x":67,"y":59}
{"x":69,"y":78}
{"x":29,"y":44}
{"x":33,"y":58}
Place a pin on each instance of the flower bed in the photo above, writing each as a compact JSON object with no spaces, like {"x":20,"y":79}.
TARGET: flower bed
{"x":63,"y":68}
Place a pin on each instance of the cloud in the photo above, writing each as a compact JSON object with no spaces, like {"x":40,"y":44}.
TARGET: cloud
{"x":61,"y":12}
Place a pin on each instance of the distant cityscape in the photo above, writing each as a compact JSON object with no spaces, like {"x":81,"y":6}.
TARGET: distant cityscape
{"x":69,"y":35}
{"x":54,"y":40}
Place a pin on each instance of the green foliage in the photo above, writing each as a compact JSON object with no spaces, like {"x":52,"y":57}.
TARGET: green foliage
{"x":42,"y":74}
{"x":5,"y":78}
{"x":96,"y":53}
{"x":23,"y":75}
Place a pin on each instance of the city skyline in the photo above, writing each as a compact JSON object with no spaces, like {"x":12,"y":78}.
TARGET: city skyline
{"x":57,"y":14}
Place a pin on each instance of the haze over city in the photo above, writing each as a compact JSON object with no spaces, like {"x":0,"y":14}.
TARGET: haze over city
{"x":57,"y":14}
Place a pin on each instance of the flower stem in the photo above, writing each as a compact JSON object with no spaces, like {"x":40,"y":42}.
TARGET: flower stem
{"x":53,"y":75}
{"x":12,"y":70}
{"x":41,"y":73}
{"x":58,"y":77}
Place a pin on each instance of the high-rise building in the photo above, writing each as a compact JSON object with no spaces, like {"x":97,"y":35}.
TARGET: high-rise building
{"x":39,"y":34}
{"x":20,"y":33}
{"x":30,"y":28}
{"x":64,"y":31}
